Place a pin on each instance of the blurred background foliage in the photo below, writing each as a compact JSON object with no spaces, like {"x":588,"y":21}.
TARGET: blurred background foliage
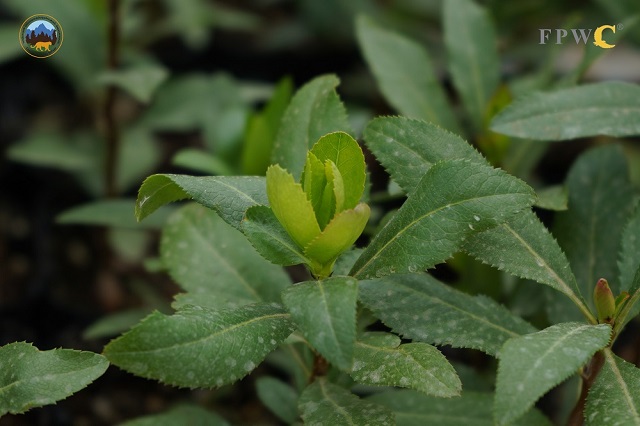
{"x":198,"y":87}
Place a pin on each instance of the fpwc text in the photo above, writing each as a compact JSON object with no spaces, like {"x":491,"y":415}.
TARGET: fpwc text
{"x":580,"y":35}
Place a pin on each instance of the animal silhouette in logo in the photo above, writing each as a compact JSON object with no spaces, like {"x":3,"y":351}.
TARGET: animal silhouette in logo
{"x":42,"y":45}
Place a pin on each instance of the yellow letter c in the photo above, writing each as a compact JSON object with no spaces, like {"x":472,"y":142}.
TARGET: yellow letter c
{"x":597,"y":36}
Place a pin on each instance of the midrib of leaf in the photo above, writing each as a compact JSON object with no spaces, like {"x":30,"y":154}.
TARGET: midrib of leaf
{"x":299,"y":360}
{"x":342,"y":411}
{"x":419,"y":219}
{"x":399,"y":349}
{"x":226,"y":264}
{"x":567,"y":290}
{"x":623,"y":385}
{"x":442,"y":302}
{"x":326,"y":309}
{"x":210,"y":336}
{"x":52,"y":375}
{"x":243,"y":194}
{"x":602,"y":109}
{"x":550,"y":349}
{"x":284,"y":243}
{"x":475,"y":71}
{"x":592,"y":229}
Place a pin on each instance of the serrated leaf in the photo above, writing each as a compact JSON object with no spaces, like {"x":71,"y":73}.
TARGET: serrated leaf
{"x":412,"y":408}
{"x":291,"y":206}
{"x":380,"y":359}
{"x":408,"y":148}
{"x":524,"y":247}
{"x":201,"y":348}
{"x":404,"y":73}
{"x":325,"y":312}
{"x":113,"y":213}
{"x":343,"y":151}
{"x":472,"y":50}
{"x":205,"y":255}
{"x":181,"y":415}
{"x":419,"y":307}
{"x":600,"y":201}
{"x":453,"y":200}
{"x":229,"y":196}
{"x":609,"y":108}
{"x":550,"y":356}
{"x":323,"y":403}
{"x":314,"y":111}
{"x":614,"y":398}
{"x":140,"y":81}
{"x":31,"y":378}
{"x":269,"y":238}
{"x":280,"y":398}
{"x":631,"y":307}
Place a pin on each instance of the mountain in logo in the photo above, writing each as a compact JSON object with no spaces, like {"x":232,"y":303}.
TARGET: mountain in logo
{"x":41,"y":29}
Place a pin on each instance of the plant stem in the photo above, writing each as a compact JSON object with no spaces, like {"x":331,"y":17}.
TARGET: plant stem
{"x":111,"y":133}
{"x":320,"y":367}
{"x":591,"y":372}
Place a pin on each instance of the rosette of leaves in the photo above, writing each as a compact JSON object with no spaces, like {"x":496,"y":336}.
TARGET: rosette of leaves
{"x":318,"y":218}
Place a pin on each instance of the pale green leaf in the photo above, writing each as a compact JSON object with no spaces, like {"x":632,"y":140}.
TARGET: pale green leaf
{"x":380,"y":359}
{"x":405,"y":75}
{"x":31,"y":378}
{"x":631,"y":306}
{"x":407,"y":148}
{"x":325,"y":312}
{"x":229,"y":196}
{"x":278,"y":397}
{"x":201,"y":348}
{"x":139,"y":81}
{"x":419,"y":307}
{"x":269,"y":238}
{"x":550,"y":356}
{"x":472,"y":49}
{"x":291,"y":206}
{"x":614,"y":398}
{"x":600,"y":201}
{"x":118,"y":213}
{"x":323,"y":403}
{"x":453,"y":200}
{"x":181,"y":415}
{"x":343,"y":151}
{"x":314,"y":182}
{"x":205,"y":255}
{"x":314,"y":111}
{"x":609,"y":108}
{"x":201,"y":161}
{"x":412,"y":408}
{"x":553,"y":198}
{"x":524,"y":247}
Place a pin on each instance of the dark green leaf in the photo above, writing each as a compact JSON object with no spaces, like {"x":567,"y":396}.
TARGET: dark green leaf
{"x":114,"y":213}
{"x":629,"y":258}
{"x":200,"y":161}
{"x":325,"y":312}
{"x":609,"y":108}
{"x":113,"y":324}
{"x":553,"y":198}
{"x":278,"y":397}
{"x":419,"y":307}
{"x":182,"y":415}
{"x":453,"y":200}
{"x":201,"y":348}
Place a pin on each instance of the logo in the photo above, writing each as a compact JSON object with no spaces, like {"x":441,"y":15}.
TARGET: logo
{"x":40,"y":36}
{"x":581,"y":35}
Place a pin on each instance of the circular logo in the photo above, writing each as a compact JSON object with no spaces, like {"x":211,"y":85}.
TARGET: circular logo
{"x":40,"y":36}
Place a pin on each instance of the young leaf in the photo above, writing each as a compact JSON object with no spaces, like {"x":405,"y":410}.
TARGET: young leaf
{"x":201,"y":348}
{"x":453,"y":199}
{"x":614,"y":398}
{"x":278,"y":397}
{"x":269,"y":238}
{"x":314,"y":183}
{"x":323,"y":403}
{"x":600,"y":201}
{"x":405,"y":74}
{"x":472,"y":48}
{"x":550,"y":356}
{"x":343,"y":151}
{"x":192,"y":415}
{"x":380,"y":359}
{"x":229,"y":196}
{"x":291,"y":206}
{"x":524,"y":247}
{"x":31,"y":378}
{"x":408,"y":148}
{"x":325,"y":312}
{"x":314,"y":111}
{"x":412,"y":408}
{"x":205,"y":255}
{"x":609,"y":108}
{"x":421,"y":308}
